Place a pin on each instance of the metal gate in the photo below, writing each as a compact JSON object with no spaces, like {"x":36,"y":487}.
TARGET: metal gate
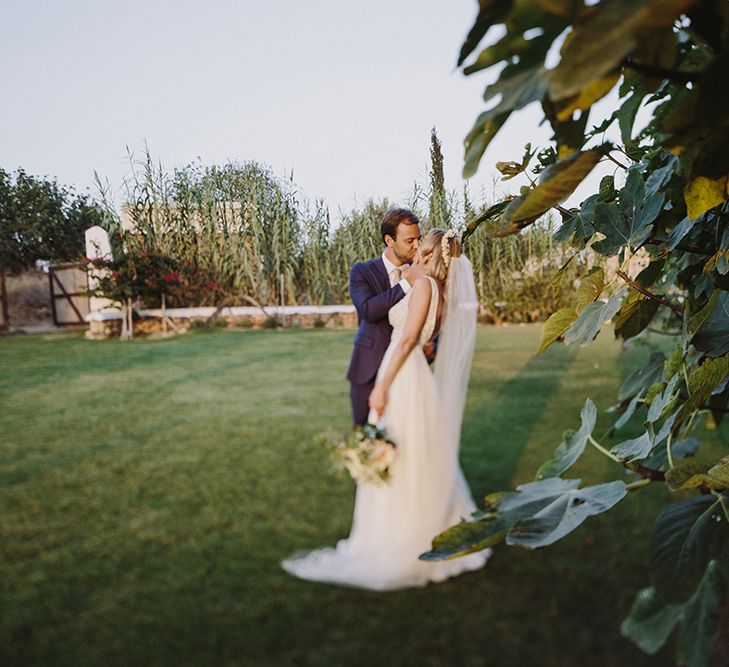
{"x":69,"y":293}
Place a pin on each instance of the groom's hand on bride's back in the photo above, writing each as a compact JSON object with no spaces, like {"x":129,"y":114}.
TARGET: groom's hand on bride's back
{"x":429,"y":350}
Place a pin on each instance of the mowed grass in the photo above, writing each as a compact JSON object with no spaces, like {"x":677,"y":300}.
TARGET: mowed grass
{"x":149,"y":489}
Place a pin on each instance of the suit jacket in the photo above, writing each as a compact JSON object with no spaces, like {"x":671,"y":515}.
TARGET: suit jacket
{"x":372,"y":296}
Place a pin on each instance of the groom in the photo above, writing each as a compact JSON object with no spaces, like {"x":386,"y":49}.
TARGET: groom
{"x":375,"y":286}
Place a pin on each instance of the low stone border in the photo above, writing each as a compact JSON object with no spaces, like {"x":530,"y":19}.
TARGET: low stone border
{"x":107,"y":323}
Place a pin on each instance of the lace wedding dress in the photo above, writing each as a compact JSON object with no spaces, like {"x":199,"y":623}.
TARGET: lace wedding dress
{"x":426,"y":493}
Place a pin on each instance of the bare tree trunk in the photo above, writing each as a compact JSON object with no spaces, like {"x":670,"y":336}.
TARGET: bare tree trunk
{"x":123,"y":333}
{"x":5,"y":323}
{"x":164,"y":315}
{"x":127,"y":332}
{"x":282,"y":298}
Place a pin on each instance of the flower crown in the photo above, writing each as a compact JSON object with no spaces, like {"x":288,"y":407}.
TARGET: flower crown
{"x":445,"y":246}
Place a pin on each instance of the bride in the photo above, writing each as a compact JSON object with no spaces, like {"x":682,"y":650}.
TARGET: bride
{"x":426,"y":492}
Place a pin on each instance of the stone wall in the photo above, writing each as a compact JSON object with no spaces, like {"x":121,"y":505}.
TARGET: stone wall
{"x":153,"y":324}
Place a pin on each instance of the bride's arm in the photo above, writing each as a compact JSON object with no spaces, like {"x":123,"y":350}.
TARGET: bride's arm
{"x":417,"y":312}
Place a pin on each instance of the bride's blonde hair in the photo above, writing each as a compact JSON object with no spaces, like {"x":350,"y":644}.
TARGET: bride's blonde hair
{"x":442,"y":246}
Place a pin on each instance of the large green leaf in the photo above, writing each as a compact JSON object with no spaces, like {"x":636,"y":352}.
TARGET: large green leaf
{"x":719,"y":403}
{"x":467,"y":537}
{"x":702,"y":383}
{"x":640,"y":447}
{"x":515,"y":46}
{"x":529,"y":495}
{"x":640,"y":209}
{"x":639,"y":380}
{"x":651,"y":273}
{"x":684,"y":538}
{"x":674,"y":363}
{"x":604,"y":38}
{"x":628,"y":412}
{"x":680,"y":449}
{"x":572,"y":445}
{"x":557,"y":182}
{"x":687,"y":476}
{"x":478,"y":139}
{"x":580,"y":226}
{"x":650,"y":621}
{"x":719,"y":473}
{"x":555,"y":327}
{"x":698,"y":318}
{"x":610,"y":223}
{"x":700,"y":624}
{"x":662,"y":400}
{"x":591,"y":287}
{"x":699,"y":473}
{"x":627,"y":112}
{"x":629,"y":223}
{"x":490,"y":12}
{"x":679,"y":232}
{"x":517,"y":88}
{"x":511,"y":44}
{"x":565,"y":514}
{"x":661,"y":176}
{"x":712,"y":336}
{"x":591,"y":319}
{"x":634,"y":317}
{"x":635,"y":449}
{"x":569,"y":134}
{"x":591,"y":93}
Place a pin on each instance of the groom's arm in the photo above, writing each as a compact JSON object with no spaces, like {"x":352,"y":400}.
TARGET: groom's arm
{"x":370,"y":306}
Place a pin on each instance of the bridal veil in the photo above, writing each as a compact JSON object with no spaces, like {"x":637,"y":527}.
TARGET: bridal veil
{"x":455,"y":346}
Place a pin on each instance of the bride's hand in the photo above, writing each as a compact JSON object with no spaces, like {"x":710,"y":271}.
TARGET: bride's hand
{"x":378,"y":400}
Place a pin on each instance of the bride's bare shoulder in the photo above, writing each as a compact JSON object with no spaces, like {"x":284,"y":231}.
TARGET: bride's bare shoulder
{"x":422,"y":283}
{"x":425,"y":283}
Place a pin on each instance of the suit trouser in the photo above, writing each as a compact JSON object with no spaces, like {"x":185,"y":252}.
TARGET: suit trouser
{"x":359,"y":394}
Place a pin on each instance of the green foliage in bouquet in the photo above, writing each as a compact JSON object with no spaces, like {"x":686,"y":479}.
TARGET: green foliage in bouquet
{"x":670,"y":200}
{"x":366,"y":453}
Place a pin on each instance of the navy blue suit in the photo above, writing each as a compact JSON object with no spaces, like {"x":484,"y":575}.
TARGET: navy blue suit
{"x":372,"y":296}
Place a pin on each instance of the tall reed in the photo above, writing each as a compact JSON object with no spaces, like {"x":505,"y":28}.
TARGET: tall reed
{"x":242,"y":230}
{"x":237,"y":225}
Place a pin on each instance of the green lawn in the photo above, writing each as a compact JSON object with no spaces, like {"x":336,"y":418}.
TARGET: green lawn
{"x":149,"y":489}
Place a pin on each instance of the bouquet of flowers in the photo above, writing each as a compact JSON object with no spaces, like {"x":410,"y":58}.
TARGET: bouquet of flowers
{"x":366,"y":453}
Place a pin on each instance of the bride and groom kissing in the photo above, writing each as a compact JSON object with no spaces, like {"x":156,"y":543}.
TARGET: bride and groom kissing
{"x":418,"y":290}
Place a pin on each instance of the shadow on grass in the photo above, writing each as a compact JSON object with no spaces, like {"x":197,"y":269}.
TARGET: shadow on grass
{"x":503,"y":423}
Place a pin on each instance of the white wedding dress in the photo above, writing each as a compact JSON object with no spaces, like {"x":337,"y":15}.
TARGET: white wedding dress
{"x":395,"y":522}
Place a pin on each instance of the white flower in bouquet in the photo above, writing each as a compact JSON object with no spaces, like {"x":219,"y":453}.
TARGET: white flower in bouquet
{"x":366,"y":453}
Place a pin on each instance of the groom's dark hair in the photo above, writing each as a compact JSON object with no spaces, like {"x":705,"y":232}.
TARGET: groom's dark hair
{"x":395,"y":217}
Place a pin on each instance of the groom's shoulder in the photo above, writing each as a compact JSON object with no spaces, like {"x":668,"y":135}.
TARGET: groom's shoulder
{"x":365,"y":265}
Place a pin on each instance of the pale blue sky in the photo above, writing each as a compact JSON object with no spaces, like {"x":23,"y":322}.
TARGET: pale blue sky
{"x":344,"y":94}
